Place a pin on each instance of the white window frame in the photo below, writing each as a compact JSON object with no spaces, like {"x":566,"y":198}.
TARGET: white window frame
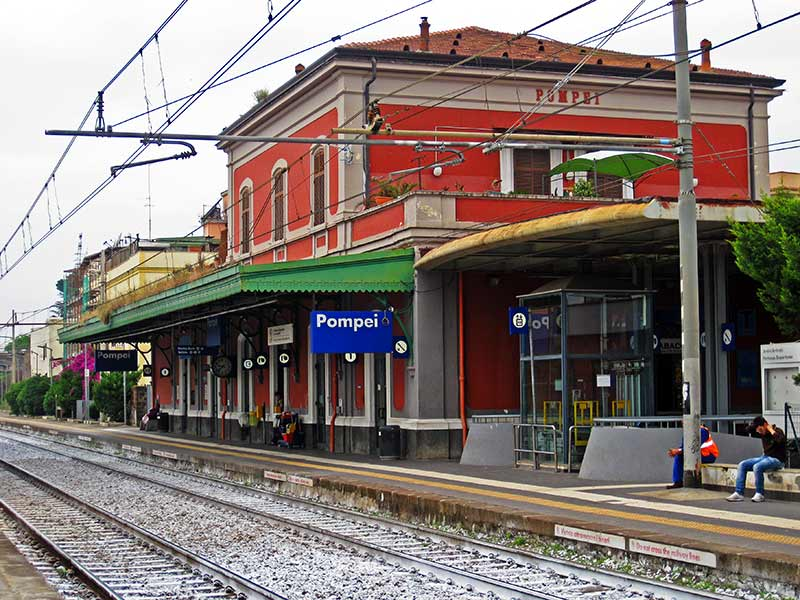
{"x":247,"y":184}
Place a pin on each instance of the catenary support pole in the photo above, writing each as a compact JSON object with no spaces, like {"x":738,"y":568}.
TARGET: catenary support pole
{"x":13,"y":347}
{"x":124,"y":398}
{"x":687,"y":227}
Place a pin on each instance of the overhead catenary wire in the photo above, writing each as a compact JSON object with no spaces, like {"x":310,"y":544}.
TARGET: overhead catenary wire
{"x":83,"y":121}
{"x":231,"y":62}
{"x":333,"y":39}
{"x":330,"y":40}
{"x":523,"y":119}
{"x":550,"y":55}
{"x":106,"y":182}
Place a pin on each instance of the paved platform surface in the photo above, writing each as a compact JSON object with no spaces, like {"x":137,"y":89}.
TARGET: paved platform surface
{"x":19,"y":580}
{"x":694,"y":518}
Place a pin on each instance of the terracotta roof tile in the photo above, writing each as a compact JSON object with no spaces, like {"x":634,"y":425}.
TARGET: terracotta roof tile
{"x":467,"y":41}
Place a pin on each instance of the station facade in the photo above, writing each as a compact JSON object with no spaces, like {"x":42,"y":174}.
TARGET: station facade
{"x":332,"y":227}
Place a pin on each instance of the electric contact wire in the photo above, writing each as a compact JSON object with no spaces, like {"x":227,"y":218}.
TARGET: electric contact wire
{"x":136,"y":153}
{"x":80,"y":126}
{"x":523,"y":119}
{"x":473,"y":57}
{"x":687,"y":58}
{"x":458,"y":93}
{"x":266,"y":204}
{"x":333,"y":39}
{"x":703,"y":158}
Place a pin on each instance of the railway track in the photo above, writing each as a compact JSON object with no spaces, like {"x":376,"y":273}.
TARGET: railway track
{"x":115,"y":559}
{"x":475,"y":566}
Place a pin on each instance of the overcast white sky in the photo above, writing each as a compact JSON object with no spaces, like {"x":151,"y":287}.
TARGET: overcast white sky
{"x":55,"y":55}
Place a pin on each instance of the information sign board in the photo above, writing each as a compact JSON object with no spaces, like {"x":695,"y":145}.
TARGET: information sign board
{"x":337,"y":332}
{"x":115,"y":360}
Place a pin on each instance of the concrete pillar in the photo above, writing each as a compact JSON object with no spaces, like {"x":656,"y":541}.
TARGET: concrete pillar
{"x":433,"y":393}
{"x":710,"y":352}
{"x":720,"y":317}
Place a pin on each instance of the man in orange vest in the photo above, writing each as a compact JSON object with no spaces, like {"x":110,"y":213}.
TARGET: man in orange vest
{"x":708,"y":454}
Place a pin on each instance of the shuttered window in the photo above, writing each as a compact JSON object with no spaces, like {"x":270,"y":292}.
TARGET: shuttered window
{"x":244,"y":234}
{"x":531,"y":168}
{"x":279,"y":204}
{"x":318,"y":187}
{"x":608,"y":186}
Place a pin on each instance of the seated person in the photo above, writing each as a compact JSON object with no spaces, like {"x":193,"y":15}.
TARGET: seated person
{"x":773,"y":443}
{"x":708,"y":454}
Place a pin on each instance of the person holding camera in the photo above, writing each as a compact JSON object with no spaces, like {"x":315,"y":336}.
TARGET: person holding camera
{"x":773,"y":441}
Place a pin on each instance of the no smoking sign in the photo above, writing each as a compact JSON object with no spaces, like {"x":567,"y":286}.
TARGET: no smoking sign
{"x":400,"y":347}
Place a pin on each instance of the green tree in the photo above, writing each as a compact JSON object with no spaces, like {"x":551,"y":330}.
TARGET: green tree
{"x":67,"y":388}
{"x":11,"y":396}
{"x":31,"y":395}
{"x":261,"y":95}
{"x":107,"y":393}
{"x":23,"y":343}
{"x":769,"y":253}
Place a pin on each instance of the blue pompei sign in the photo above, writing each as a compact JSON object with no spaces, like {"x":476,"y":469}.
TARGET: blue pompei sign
{"x":340,"y":331}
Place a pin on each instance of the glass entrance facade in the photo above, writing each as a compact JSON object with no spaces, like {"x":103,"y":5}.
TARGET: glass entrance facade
{"x":587,"y":354}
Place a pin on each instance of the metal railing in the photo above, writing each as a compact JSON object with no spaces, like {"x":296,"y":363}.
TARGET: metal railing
{"x":570,"y":436}
{"x":496,"y":418}
{"x":787,"y":421}
{"x":533,"y":450}
{"x":672,"y":421}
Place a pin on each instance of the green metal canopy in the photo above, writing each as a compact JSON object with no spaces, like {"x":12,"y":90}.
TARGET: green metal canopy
{"x":628,"y":165}
{"x":383,"y":271}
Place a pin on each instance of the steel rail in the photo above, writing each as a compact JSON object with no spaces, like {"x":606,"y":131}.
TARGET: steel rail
{"x":233,"y":581}
{"x":64,"y":557}
{"x":558,"y":566}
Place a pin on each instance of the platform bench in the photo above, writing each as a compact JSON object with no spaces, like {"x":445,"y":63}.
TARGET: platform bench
{"x":783,"y":484}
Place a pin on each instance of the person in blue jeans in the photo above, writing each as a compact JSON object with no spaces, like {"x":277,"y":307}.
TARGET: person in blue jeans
{"x":708,"y":454}
{"x":773,"y":441}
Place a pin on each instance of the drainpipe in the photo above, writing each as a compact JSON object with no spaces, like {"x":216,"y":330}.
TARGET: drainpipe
{"x":335,"y":401}
{"x":461,"y":398}
{"x":751,"y":165}
{"x":365,"y":152}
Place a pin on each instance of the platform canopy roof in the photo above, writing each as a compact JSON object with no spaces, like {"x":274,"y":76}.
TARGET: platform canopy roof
{"x":236,"y":286}
{"x":615,"y":230}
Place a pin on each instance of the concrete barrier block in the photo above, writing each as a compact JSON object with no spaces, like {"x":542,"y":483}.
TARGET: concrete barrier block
{"x":489,"y":444}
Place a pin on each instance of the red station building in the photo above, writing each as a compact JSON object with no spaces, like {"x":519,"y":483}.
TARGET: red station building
{"x":448,"y":250}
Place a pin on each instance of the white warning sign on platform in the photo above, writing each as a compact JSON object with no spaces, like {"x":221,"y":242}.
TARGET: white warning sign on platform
{"x":687,"y":555}
{"x":299,"y":480}
{"x":163,"y":454}
{"x":590,"y":537}
{"x":275,"y":476}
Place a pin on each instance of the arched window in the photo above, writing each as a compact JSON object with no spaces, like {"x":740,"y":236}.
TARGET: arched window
{"x":244,"y":232}
{"x":279,"y":204}
{"x":318,"y":187}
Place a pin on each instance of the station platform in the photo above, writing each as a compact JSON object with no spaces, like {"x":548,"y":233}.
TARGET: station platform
{"x":19,"y":580}
{"x":695,"y":526}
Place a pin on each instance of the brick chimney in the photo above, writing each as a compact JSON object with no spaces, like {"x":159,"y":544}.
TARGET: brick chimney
{"x":424,"y":35}
{"x":299,"y":68}
{"x":705,"y":46}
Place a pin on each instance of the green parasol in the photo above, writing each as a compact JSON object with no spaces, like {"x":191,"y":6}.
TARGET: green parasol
{"x":628,"y":165}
